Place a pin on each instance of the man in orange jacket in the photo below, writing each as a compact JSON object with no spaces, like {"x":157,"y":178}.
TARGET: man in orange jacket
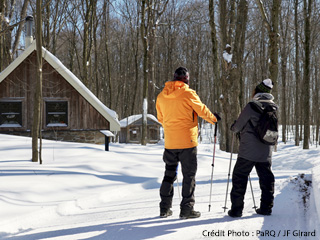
{"x":178,"y":108}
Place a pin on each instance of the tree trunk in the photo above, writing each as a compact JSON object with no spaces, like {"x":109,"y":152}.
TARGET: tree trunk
{"x":144,"y":38}
{"x":297,"y":71}
{"x":36,"y":126}
{"x":107,"y":70}
{"x":20,"y":28}
{"x":215,"y":58}
{"x":284,"y":24}
{"x":306,"y":75}
{"x":232,"y":71}
{"x":151,"y":12}
{"x":87,"y":44}
{"x":273,"y":30}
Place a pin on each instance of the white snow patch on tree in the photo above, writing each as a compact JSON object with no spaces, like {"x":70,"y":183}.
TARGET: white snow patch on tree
{"x":227,"y":57}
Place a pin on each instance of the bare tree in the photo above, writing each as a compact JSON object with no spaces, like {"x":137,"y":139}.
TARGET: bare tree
{"x":7,"y":10}
{"x":151,"y":11}
{"x":284,"y":51}
{"x":297,"y":73}
{"x":273,"y":30}
{"x":20,"y":28}
{"x":233,"y":29}
{"x":307,"y":4}
{"x":36,"y":126}
{"x":215,"y":58}
{"x":88,"y":8}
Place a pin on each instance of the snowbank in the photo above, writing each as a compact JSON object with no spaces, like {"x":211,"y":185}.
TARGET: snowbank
{"x":316,"y":185}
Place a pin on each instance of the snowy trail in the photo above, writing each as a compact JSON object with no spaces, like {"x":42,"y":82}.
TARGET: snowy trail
{"x":115,"y":195}
{"x":90,"y":219}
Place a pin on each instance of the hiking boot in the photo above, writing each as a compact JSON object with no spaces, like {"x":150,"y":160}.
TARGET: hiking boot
{"x":165,"y":212}
{"x":266,"y":212}
{"x":234,"y":214}
{"x":189,"y":213}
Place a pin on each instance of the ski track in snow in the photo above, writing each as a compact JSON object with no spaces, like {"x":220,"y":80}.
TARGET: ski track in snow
{"x":83,"y":192}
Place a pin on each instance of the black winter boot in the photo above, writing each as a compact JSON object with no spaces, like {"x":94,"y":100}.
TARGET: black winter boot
{"x":189,"y":213}
{"x":266,"y":212}
{"x":234,"y":214}
{"x":165,"y":212}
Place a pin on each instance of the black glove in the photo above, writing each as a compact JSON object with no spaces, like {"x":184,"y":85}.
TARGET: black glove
{"x":233,"y":124}
{"x":217,"y":116}
{"x":238,"y":135}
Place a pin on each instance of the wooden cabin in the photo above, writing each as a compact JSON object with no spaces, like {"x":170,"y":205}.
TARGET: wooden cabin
{"x":70,"y":112}
{"x":131,"y":129}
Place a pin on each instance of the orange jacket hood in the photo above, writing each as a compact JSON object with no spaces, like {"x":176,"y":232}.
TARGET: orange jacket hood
{"x":173,"y":89}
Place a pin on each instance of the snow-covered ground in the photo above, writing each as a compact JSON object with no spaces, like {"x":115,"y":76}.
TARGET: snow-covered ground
{"x":84,"y":192}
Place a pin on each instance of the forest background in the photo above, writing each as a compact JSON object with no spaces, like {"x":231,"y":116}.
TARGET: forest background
{"x":125,"y":50}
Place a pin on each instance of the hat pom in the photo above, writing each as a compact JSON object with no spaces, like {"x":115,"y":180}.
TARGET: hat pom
{"x":265,"y":86}
{"x":268,"y":82}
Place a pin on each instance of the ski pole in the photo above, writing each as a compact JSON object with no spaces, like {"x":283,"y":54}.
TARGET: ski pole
{"x":178,"y":184}
{"x":254,"y":202}
{"x":225,"y":203}
{"x":214,"y":151}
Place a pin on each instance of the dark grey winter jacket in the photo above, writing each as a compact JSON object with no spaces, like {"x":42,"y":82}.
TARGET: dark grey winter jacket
{"x":251,"y":148}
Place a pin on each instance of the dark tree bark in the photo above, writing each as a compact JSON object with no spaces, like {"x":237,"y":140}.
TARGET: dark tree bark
{"x":306,"y":74}
{"x":36,"y":126}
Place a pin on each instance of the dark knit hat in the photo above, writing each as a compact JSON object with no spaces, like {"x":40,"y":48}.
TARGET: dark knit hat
{"x":181,"y":74}
{"x":265,"y":86}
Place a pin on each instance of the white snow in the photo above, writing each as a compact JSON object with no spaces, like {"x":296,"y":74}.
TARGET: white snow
{"x":57,"y":125}
{"x":316,"y":185}
{"x":83,"y":192}
{"x":131,"y":119}
{"x":10,"y":125}
{"x":145,"y":110}
{"x":227,"y":57}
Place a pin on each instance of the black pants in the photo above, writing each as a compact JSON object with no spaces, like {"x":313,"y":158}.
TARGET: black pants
{"x":188,"y":159}
{"x":240,"y":176}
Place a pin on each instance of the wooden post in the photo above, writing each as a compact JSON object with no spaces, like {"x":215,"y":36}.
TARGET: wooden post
{"x":107,"y":135}
{"x":106,"y":142}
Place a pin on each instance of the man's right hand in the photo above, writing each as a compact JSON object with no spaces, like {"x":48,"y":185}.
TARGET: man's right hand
{"x":217,"y":116}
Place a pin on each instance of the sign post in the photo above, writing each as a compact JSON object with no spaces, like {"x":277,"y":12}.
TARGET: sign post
{"x":107,"y":135}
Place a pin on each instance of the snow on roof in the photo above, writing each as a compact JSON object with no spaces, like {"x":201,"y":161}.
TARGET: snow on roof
{"x":131,"y":119}
{"x":107,"y":113}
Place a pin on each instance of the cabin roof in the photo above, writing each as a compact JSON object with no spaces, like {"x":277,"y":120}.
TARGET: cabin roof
{"x":107,"y":113}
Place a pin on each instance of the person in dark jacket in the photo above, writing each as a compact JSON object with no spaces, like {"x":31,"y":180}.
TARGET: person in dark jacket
{"x":253,"y":153}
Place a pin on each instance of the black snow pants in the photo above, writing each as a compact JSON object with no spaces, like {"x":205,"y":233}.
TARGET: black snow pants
{"x":188,"y":159}
{"x":240,"y":176}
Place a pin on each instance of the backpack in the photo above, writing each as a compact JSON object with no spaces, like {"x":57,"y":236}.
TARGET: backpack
{"x":267,"y":126}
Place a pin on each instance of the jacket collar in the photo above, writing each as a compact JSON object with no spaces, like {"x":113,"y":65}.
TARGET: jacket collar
{"x":263,"y":97}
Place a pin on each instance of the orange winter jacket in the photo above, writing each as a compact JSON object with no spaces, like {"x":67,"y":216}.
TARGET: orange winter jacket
{"x":178,"y":108}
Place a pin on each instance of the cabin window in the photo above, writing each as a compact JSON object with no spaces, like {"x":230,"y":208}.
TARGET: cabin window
{"x":57,"y":113}
{"x":134,"y":134}
{"x":10,"y":114}
{"x":153,"y":133}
